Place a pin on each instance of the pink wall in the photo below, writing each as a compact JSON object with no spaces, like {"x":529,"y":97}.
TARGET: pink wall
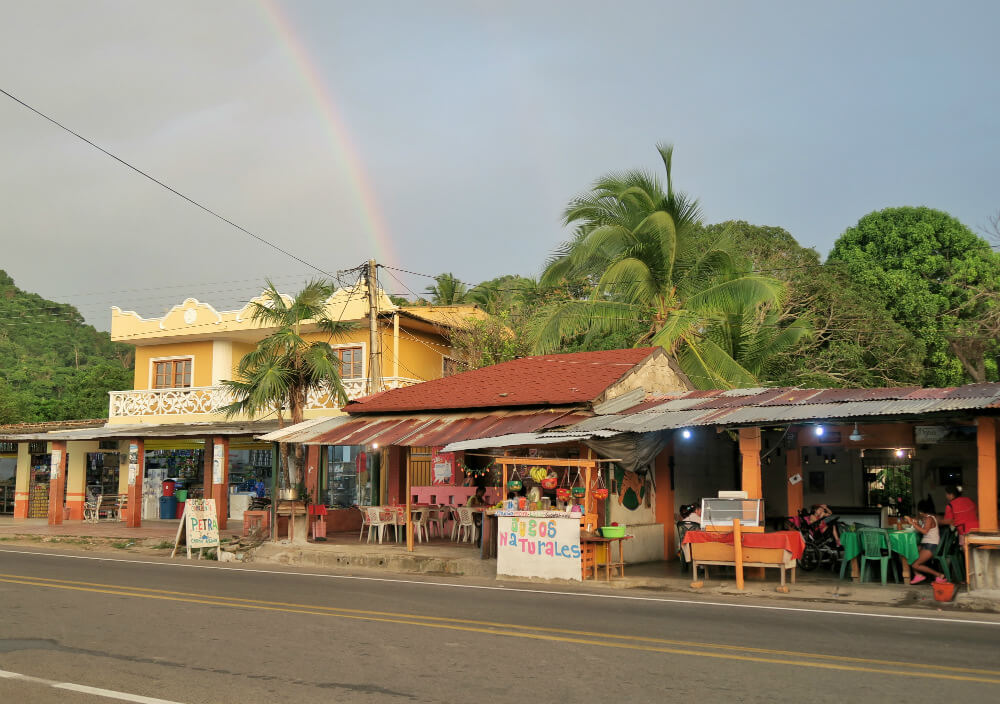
{"x":451,"y":495}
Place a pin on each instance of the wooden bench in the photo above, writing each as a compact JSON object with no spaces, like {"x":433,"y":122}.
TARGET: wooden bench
{"x":109,"y":506}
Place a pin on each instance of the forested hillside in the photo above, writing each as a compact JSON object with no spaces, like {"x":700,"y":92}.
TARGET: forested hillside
{"x":53,"y":366}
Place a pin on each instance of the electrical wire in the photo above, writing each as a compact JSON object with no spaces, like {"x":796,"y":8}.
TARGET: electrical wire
{"x":155,"y":180}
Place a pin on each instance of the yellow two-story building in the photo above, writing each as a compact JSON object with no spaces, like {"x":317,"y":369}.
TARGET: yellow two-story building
{"x":171,"y":422}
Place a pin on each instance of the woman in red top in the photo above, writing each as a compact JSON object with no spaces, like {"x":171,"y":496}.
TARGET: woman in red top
{"x":960,"y":512}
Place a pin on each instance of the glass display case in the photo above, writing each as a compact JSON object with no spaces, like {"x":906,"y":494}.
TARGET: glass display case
{"x":721,"y":512}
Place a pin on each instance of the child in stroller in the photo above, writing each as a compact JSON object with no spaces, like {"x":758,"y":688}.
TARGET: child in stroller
{"x":818,"y":527}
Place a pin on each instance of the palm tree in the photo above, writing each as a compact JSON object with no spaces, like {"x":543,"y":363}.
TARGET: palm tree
{"x":285,"y":366}
{"x":447,"y":291}
{"x":636,"y":244}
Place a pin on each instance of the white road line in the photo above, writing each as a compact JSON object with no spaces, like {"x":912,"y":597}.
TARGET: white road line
{"x":553,"y":592}
{"x":97,"y":691}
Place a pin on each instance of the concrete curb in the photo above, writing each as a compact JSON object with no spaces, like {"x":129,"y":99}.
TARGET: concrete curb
{"x":331,"y":557}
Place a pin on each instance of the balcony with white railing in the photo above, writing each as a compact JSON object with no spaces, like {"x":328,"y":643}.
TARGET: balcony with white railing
{"x":168,"y":404}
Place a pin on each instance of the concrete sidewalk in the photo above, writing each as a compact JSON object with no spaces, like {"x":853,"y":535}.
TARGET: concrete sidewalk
{"x":39,"y":528}
{"x":344,"y":552}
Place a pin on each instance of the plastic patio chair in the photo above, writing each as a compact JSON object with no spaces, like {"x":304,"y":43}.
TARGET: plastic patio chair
{"x":875,"y":548}
{"x":847,"y":528}
{"x":420,"y":521}
{"x":947,"y":555}
{"x":682,"y":528}
{"x":378,"y":520}
{"x":466,"y":525}
{"x":365,"y":522}
{"x":438,"y":516}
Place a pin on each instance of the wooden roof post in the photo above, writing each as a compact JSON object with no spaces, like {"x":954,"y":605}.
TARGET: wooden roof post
{"x":57,"y":482}
{"x":986,"y":442}
{"x":793,"y":466}
{"x":409,"y":499}
{"x":750,"y":443}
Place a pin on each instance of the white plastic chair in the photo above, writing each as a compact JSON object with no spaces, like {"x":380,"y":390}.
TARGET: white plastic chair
{"x":466,"y":524}
{"x":420,"y":519}
{"x":377,"y":522}
{"x":437,"y":518}
{"x":399,"y":521}
{"x":365,"y":522}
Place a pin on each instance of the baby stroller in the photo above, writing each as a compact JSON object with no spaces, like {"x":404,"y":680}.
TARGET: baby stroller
{"x":822,"y":547}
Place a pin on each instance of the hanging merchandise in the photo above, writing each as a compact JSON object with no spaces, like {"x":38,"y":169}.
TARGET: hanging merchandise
{"x":551,"y":479}
{"x":515,"y":484}
{"x":562,"y":493}
{"x":600,"y":491}
{"x":578,"y":490}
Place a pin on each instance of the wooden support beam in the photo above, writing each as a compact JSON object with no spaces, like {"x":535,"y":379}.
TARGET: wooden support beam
{"x":57,"y":482}
{"x":750,"y":444}
{"x":986,"y":442}
{"x":135,"y":461}
{"x":793,"y":466}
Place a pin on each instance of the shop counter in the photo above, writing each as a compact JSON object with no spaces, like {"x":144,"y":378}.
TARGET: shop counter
{"x":538,"y":544}
{"x":781,"y":550}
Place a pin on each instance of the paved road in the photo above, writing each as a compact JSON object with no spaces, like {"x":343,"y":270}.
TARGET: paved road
{"x":155,"y":630}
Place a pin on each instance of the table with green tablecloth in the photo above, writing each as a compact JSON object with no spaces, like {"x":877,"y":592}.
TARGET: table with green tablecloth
{"x":904,"y":543}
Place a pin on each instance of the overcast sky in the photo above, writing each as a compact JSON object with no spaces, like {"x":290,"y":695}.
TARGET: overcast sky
{"x":448,"y":136}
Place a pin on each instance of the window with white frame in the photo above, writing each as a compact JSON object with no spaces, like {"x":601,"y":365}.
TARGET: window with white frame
{"x":172,"y":373}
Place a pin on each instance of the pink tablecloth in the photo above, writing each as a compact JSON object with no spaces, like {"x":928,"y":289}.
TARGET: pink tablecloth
{"x":788,"y":540}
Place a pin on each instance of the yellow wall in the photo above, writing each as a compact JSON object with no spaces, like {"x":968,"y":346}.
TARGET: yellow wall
{"x":420,"y":354}
{"x":240,"y":350}
{"x":201,"y":352}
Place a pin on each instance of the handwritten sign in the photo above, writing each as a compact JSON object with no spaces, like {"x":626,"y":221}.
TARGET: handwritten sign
{"x":133,"y":463}
{"x":538,"y":547}
{"x":218,"y":455}
{"x":444,"y":466}
{"x":199,"y":526}
{"x":56,"y":465}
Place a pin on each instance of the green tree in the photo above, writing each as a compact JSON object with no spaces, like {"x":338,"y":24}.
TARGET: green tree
{"x":853,"y":340}
{"x":638,"y":245}
{"x":278,"y":374}
{"x":53,"y":366}
{"x":926,"y":267}
{"x":498,"y":338}
{"x":447,"y":290}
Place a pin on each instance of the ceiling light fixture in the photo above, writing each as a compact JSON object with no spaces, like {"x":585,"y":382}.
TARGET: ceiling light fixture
{"x":855,"y":436}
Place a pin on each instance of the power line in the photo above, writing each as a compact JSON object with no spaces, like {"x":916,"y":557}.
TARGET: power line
{"x":164,"y":185}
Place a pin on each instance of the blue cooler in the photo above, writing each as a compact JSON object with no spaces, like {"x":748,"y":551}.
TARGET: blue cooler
{"x":168,"y":507}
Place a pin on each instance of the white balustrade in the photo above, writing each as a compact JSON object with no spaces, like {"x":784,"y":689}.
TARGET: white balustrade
{"x":209,"y":399}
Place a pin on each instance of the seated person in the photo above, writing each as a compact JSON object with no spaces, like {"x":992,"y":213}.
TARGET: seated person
{"x":478,"y":499}
{"x":691,"y":513}
{"x":926,"y":524}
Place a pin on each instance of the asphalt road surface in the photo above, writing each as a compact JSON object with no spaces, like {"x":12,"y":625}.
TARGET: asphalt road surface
{"x":83,"y":629}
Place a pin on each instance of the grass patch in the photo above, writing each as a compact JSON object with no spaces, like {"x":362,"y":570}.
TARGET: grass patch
{"x":163,"y":545}
{"x":123,"y":544}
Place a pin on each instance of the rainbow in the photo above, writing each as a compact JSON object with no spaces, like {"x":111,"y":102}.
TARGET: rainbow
{"x":340,"y":138}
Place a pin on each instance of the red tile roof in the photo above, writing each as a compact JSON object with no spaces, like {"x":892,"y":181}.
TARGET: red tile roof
{"x":545,"y":380}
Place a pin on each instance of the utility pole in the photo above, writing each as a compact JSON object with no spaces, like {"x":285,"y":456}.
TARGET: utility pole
{"x":374,"y":376}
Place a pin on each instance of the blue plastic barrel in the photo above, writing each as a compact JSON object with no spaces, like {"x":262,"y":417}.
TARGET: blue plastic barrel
{"x":168,"y":507}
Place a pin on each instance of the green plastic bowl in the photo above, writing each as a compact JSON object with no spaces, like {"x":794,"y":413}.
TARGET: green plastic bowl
{"x":613,"y":531}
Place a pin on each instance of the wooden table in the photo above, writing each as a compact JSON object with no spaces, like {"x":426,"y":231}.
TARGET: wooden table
{"x":979,"y":540}
{"x":608,"y":562}
{"x":290,"y":509}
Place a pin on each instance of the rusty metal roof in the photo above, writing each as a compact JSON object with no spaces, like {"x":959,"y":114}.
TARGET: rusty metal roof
{"x":747,"y":407}
{"x":426,"y":429}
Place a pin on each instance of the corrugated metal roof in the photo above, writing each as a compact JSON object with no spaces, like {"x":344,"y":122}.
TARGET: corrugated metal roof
{"x":151,"y":430}
{"x":427,"y":429}
{"x":522,"y":439}
{"x":785,"y":405}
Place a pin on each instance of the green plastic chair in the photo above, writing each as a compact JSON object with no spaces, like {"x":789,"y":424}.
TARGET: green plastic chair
{"x":844,"y":562}
{"x":943,"y":553}
{"x":875,"y":548}
{"x":952,"y":556}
